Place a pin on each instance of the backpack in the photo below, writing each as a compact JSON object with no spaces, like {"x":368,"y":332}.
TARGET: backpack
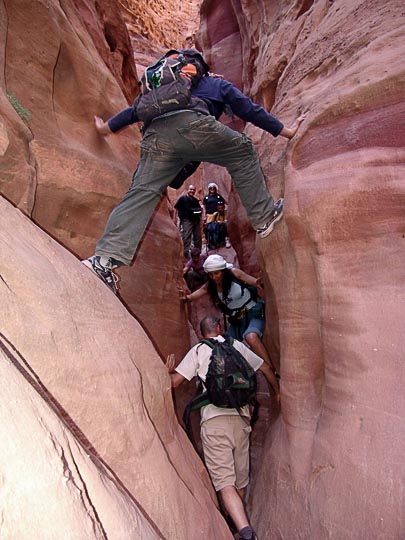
{"x":213,"y":234}
{"x":166,"y":86}
{"x":230,"y":382}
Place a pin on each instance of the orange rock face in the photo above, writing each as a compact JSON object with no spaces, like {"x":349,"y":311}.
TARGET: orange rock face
{"x":56,"y":167}
{"x":53,"y":487}
{"x":169,"y":23}
{"x":86,"y":358}
{"x":331,"y":465}
{"x":334,"y":267}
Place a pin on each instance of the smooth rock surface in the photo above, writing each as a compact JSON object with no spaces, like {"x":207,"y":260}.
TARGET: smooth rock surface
{"x":96,"y":361}
{"x":73,"y":62}
{"x":51,"y":487}
{"x":334,"y":267}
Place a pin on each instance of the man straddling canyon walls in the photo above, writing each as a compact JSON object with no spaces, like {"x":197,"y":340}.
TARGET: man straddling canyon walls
{"x":225,"y":432}
{"x":172,"y":140}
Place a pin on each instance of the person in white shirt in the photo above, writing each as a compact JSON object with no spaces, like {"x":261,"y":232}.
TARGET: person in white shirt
{"x":225,"y":433}
{"x":228,"y":288}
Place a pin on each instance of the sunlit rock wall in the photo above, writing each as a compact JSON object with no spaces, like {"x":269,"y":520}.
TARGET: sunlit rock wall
{"x":84,"y":384}
{"x":51,"y":486}
{"x":332,"y":465}
{"x":60,"y":66}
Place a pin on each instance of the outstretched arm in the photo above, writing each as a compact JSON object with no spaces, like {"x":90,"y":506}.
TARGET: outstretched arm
{"x":176,"y":378}
{"x":117,"y":122}
{"x":249,"y":280}
{"x":289,"y":132}
{"x":102,"y":127}
{"x":271,"y":379}
{"x":243,"y":276}
{"x":199,"y":293}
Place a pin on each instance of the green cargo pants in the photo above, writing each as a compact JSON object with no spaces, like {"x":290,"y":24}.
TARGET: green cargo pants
{"x":169,"y":143}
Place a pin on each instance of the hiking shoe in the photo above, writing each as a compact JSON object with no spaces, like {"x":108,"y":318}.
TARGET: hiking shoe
{"x":227,"y":243}
{"x":252,"y":537}
{"x":269,"y":226}
{"x":105,"y":273}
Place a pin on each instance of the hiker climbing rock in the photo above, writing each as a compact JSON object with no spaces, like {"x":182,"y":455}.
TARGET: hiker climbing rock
{"x":193,"y":271}
{"x":189,"y":211}
{"x":235,"y":294}
{"x":225,"y":431}
{"x":178,"y":132}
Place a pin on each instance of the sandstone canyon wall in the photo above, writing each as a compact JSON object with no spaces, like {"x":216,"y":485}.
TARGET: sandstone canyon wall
{"x":51,"y":487}
{"x":332,"y":465}
{"x":61,"y":64}
{"x":74,"y":352}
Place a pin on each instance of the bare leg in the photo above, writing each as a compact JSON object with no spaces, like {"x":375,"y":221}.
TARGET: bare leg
{"x":234,"y":506}
{"x":256,"y":344}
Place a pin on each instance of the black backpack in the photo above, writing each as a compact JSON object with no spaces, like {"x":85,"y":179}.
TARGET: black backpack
{"x":230,"y":382}
{"x":166,"y":86}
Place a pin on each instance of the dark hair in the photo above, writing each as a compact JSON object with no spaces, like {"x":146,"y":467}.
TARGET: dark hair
{"x":195,"y":54}
{"x":208,"y":324}
{"x":227,"y":278}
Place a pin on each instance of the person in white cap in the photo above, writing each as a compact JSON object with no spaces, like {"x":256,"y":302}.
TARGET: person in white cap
{"x":235,"y":294}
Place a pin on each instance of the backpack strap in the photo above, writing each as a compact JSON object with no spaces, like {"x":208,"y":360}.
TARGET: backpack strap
{"x":196,"y":403}
{"x":208,"y":341}
{"x":253,"y":296}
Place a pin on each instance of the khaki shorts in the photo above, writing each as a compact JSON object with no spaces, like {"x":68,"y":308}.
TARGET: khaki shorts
{"x":225,"y":442}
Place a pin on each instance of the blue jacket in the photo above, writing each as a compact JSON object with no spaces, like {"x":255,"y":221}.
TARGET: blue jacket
{"x":217,"y":93}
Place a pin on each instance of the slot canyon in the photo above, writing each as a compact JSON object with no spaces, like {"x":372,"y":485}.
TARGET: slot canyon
{"x":91,"y":439}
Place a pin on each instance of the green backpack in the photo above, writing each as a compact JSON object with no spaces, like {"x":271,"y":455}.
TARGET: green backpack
{"x":230,"y":383}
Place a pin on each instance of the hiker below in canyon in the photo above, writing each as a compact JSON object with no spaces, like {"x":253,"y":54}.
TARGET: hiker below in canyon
{"x":216,"y":228}
{"x":225,"y":432}
{"x":235,"y":294}
{"x":212,"y":199}
{"x":193,"y":271}
{"x":190,"y":212}
{"x":174,"y":139}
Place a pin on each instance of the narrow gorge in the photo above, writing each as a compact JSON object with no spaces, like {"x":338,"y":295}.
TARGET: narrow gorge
{"x":91,"y":445}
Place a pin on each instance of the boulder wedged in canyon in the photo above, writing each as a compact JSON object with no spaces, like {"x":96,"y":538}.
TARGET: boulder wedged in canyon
{"x":331,"y":466}
{"x":101,"y":370}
